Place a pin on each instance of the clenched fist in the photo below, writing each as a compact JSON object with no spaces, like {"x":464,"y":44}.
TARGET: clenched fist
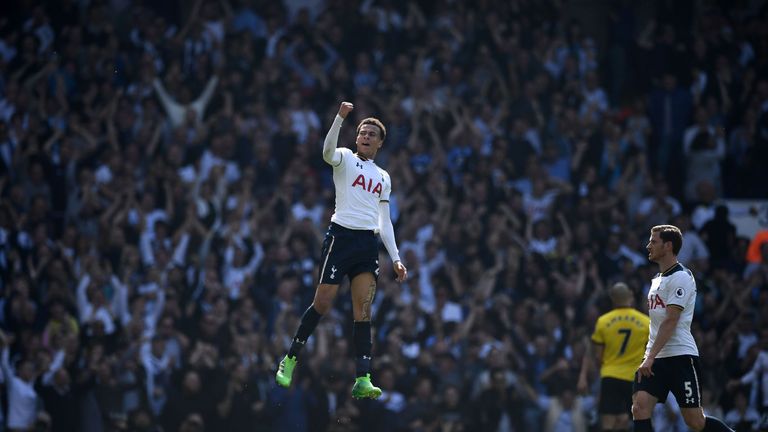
{"x":345,"y":108}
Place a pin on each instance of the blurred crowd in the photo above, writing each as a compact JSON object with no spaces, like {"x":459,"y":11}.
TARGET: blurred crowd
{"x":163,"y":200}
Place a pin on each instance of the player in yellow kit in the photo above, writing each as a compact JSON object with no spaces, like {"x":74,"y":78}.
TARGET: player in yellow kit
{"x":619,"y":343}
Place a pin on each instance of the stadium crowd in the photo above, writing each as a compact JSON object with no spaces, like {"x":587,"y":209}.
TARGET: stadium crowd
{"x":163,"y":199}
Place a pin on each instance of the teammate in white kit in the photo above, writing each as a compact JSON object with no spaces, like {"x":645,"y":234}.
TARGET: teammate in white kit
{"x":350,"y":247}
{"x":671,"y":360}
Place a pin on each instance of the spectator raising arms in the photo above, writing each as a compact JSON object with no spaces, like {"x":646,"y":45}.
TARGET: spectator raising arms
{"x":163,"y":208}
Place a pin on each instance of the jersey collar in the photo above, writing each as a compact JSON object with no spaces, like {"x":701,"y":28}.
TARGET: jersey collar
{"x":675,"y":267}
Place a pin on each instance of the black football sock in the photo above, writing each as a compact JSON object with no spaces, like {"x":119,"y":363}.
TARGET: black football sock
{"x":713,"y":424}
{"x":643,"y":425}
{"x":308,"y":323}
{"x":361,"y":336}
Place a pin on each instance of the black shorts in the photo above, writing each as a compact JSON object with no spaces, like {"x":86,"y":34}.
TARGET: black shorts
{"x":348,"y":252}
{"x":615,"y":396}
{"x":679,"y":375}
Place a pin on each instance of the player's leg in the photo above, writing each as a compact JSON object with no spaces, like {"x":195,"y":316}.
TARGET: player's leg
{"x":622,"y":421}
{"x":324,"y":296}
{"x":363,"y":288}
{"x":615,"y":404}
{"x":614,"y":423}
{"x":688,"y":394}
{"x":647,"y":392}
{"x":642,"y":409}
{"x":321,"y":305}
{"x":696,"y":420}
{"x":332,"y":270}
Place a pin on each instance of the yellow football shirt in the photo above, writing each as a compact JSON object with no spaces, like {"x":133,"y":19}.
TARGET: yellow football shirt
{"x":623,"y":333}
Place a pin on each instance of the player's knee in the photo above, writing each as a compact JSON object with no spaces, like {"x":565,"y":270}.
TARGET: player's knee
{"x":323,"y":301}
{"x":640,"y":409}
{"x":322,"y":306}
{"x":621,"y":422}
{"x":696,"y":424}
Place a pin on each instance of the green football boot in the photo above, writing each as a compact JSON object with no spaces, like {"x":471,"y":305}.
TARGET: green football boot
{"x":363,"y":389}
{"x":285,"y":371}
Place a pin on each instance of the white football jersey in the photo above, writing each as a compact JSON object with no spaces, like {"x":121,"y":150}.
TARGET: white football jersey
{"x":675,"y":286}
{"x":360,"y":186}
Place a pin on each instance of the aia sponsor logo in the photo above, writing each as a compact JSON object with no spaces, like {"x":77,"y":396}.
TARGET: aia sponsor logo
{"x":655,"y":301}
{"x":367,"y":185}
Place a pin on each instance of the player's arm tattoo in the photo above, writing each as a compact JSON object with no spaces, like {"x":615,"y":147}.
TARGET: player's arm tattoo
{"x":368,"y":301}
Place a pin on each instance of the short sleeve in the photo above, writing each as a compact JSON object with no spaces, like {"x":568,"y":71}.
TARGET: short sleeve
{"x":597,"y":336}
{"x":680,"y":291}
{"x":387,"y":186}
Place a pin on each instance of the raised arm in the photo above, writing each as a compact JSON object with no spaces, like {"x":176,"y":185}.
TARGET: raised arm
{"x":202,"y":101}
{"x":256,"y":259}
{"x":120,"y":304}
{"x":145,"y":247}
{"x":82,"y":298}
{"x":330,"y":153}
{"x":760,"y":365}
{"x":157,"y":310}
{"x":56,"y":364}
{"x":5,"y":362}
{"x":191,"y":19}
{"x":180,"y":251}
{"x":168,"y":102}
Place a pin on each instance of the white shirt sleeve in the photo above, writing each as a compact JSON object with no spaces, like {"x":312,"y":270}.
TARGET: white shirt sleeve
{"x":679,"y":291}
{"x":387,"y":232}
{"x":331,"y":154}
{"x":760,"y":365}
{"x":56,"y":364}
{"x":83,"y":305}
{"x":145,"y":247}
{"x":387,"y":187}
{"x":180,"y":252}
{"x":202,"y":101}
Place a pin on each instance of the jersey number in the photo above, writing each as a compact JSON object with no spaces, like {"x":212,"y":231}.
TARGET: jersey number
{"x":627,"y":333}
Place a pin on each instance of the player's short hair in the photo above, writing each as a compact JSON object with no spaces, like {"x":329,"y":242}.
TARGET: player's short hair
{"x":376,"y":122}
{"x":620,"y":293}
{"x":670,"y":233}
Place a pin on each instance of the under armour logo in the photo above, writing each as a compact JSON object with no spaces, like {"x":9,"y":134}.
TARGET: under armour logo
{"x":333,"y":272}
{"x":365,"y":357}
{"x":377,"y":268}
{"x":690,"y":400}
{"x":359,"y":165}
